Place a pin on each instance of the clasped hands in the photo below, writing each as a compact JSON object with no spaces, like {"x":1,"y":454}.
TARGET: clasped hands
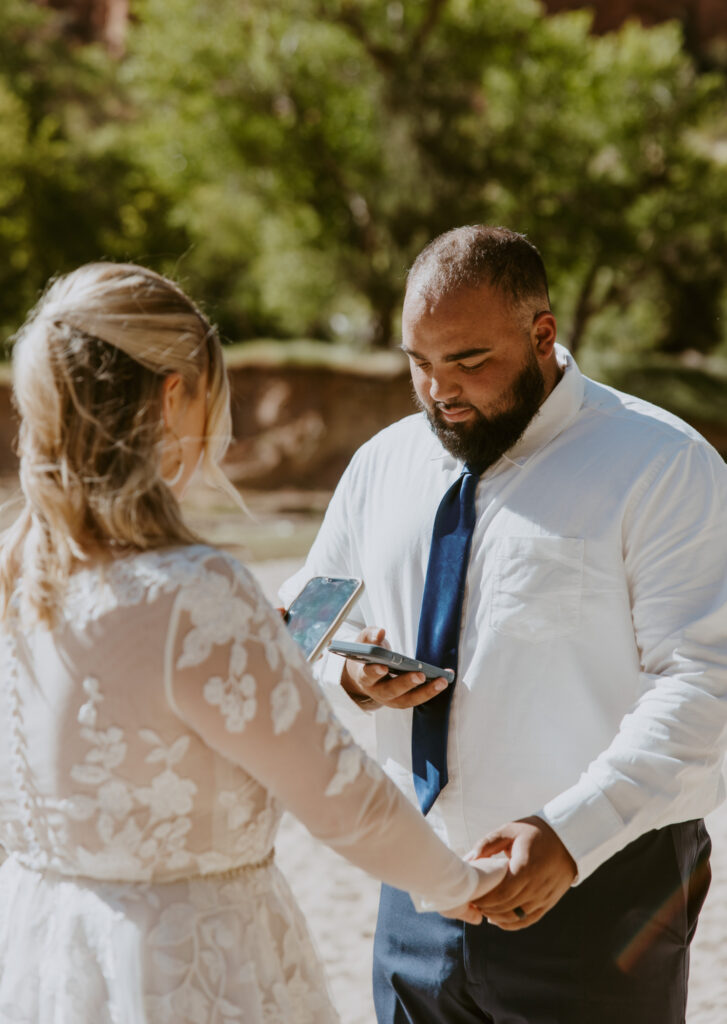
{"x":515,"y":891}
{"x":521,"y":889}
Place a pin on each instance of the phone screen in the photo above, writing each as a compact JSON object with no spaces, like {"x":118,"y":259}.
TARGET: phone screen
{"x":318,"y":608}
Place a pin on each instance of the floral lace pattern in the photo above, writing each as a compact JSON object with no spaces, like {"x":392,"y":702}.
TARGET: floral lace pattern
{"x":230,"y":952}
{"x":236,"y":693}
{"x":130,"y":847}
{"x":137,"y":796}
{"x":127,"y":582}
{"x":194,"y":940}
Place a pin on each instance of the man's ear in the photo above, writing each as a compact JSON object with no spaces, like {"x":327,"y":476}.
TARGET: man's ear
{"x":544,"y":332}
{"x":172,"y":393}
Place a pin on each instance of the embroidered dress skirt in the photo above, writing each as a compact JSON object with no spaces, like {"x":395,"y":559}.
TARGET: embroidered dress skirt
{"x":221,"y":949}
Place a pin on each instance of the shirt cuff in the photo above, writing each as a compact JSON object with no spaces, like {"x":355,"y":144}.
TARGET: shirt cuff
{"x":362,"y":702}
{"x":328,"y":670}
{"x":424,"y":905}
{"x":587,"y":824}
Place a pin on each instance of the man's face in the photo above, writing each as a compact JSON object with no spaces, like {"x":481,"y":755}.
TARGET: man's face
{"x":476,"y":370}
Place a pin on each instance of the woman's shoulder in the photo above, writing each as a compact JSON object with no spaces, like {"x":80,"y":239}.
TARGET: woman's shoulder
{"x":189,"y":566}
{"x":187,"y":556}
{"x":200,"y":563}
{"x":148,"y":577}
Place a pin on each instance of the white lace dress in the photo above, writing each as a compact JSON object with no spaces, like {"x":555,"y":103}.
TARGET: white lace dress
{"x":147,"y":746}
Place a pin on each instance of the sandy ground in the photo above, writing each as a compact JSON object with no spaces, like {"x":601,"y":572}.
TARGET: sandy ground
{"x":339,"y":900}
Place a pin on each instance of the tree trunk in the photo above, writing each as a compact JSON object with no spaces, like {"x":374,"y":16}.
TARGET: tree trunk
{"x":383,"y":322}
{"x":584,"y":308}
{"x":94,"y":21}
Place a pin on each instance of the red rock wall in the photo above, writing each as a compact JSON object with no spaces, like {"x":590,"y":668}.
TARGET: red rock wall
{"x":105,"y":20}
{"x":299,"y":426}
{"x":293,"y":426}
{"x":703,"y":19}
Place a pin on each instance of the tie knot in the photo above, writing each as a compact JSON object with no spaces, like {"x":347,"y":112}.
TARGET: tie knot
{"x":472,"y":469}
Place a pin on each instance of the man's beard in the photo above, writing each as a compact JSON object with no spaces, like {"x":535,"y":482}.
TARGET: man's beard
{"x":483,"y":440}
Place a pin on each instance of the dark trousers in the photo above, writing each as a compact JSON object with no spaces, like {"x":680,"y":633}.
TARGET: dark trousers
{"x":614,"y":950}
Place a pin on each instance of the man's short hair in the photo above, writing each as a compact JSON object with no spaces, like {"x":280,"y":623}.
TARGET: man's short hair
{"x":477,"y":254}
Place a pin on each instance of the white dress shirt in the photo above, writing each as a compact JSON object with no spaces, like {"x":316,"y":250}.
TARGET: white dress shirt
{"x":592,"y":684}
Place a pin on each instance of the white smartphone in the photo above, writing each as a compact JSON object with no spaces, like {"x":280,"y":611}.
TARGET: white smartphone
{"x":318,"y":610}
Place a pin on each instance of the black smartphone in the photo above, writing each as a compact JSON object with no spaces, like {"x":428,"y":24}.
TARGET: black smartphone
{"x":395,"y":662}
{"x":318,"y":610}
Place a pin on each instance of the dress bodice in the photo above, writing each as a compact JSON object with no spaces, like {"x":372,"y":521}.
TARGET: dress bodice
{"x":104,"y":779}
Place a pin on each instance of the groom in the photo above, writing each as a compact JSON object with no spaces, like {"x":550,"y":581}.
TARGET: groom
{"x":564,"y":547}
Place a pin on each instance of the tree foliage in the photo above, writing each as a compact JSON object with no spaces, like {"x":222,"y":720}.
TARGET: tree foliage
{"x":68,"y":193}
{"x":288,"y":159}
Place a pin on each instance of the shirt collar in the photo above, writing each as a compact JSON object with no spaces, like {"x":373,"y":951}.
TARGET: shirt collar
{"x":556,"y":412}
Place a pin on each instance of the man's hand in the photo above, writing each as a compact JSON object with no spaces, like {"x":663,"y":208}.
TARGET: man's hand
{"x":540,"y":871}
{"x":374,"y":681}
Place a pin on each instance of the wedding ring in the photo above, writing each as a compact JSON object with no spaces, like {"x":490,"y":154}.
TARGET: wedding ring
{"x":519,"y":913}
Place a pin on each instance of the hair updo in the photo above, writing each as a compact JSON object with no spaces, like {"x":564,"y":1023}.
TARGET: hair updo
{"x":88,"y":372}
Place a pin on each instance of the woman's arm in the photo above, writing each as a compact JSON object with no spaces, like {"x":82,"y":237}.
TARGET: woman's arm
{"x":236,"y":678}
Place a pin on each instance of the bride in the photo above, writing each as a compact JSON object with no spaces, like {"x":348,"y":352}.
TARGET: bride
{"x":156,"y":716}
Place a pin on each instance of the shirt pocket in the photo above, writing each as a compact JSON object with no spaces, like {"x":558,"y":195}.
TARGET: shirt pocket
{"x":538,"y":582}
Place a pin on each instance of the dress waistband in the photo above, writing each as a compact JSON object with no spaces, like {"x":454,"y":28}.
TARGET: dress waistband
{"x":241,"y":869}
{"x":216,"y":876}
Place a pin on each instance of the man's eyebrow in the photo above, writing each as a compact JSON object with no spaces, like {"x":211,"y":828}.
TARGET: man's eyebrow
{"x":453,"y":357}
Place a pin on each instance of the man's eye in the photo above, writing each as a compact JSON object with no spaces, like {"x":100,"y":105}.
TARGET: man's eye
{"x":472,"y":366}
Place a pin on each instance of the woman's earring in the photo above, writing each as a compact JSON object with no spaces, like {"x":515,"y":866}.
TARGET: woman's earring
{"x":171,"y":481}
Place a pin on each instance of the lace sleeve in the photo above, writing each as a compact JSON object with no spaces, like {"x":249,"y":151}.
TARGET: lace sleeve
{"x":236,"y":678}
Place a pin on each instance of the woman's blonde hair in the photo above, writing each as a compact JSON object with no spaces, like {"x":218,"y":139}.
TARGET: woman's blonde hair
{"x":88,"y":368}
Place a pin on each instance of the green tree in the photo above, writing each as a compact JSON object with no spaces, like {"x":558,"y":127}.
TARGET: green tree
{"x":68,"y":192}
{"x":288,"y":159}
{"x":311,"y":148}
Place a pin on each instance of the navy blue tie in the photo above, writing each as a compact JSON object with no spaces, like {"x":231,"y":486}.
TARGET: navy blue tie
{"x":439,"y":625}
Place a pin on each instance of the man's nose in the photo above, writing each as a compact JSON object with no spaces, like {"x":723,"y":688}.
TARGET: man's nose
{"x":444,"y":388}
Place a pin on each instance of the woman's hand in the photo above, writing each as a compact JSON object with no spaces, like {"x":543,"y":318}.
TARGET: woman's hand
{"x":491,"y":871}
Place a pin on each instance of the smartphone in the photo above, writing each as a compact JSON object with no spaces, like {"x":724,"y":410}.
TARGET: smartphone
{"x":395,"y":662}
{"x":318,"y":609}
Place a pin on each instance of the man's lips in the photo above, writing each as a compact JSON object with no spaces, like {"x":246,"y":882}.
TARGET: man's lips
{"x":454,"y":413}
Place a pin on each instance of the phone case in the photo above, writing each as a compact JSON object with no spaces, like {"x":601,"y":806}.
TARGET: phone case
{"x":374,"y":655}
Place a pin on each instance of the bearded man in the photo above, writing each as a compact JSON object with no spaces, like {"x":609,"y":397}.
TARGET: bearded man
{"x":563,"y":547}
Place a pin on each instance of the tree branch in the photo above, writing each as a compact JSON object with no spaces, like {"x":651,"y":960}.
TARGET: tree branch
{"x":428,"y":24}
{"x":584,"y":308}
{"x":350,"y":18}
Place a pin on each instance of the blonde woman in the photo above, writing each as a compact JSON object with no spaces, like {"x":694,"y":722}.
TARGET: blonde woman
{"x":156,"y":716}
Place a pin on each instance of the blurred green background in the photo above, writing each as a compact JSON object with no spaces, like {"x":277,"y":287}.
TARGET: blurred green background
{"x":285,"y":160}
